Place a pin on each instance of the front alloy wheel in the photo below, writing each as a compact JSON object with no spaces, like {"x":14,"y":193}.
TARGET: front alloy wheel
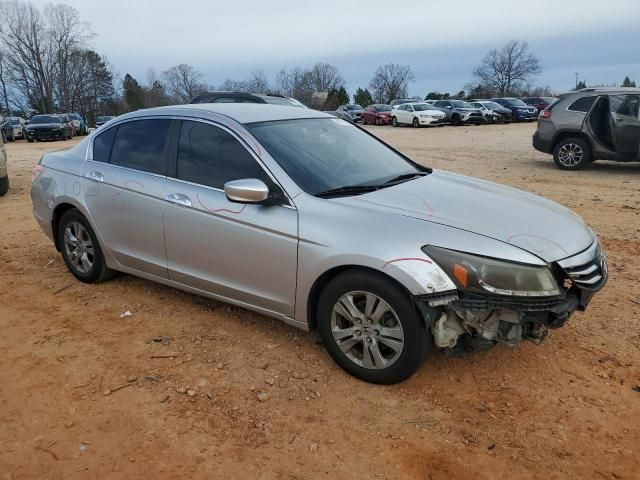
{"x":367,"y":330}
{"x":371,"y":327}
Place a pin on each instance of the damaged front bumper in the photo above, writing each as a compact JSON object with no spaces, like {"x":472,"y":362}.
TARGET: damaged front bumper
{"x":463,"y":321}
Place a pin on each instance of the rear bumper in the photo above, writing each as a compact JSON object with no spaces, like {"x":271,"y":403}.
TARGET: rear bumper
{"x":541,"y":144}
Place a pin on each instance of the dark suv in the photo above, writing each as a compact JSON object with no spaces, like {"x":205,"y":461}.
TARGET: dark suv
{"x":589,"y":125}
{"x":520,"y":111}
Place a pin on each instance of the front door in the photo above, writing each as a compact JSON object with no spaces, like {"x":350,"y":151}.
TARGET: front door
{"x":243,"y":252}
{"x":625,"y":112}
{"x":123,"y":192}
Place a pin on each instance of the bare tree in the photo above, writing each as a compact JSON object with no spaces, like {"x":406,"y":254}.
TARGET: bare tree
{"x":507,"y":69}
{"x":296,"y":83}
{"x":3,"y":85}
{"x":258,"y":82}
{"x":390,"y":81}
{"x":325,"y":77}
{"x":230,"y":85}
{"x":183,"y":82}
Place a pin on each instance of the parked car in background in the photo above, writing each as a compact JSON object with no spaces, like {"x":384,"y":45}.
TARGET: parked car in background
{"x":459,"y":112}
{"x":417,"y":114}
{"x":48,"y":127}
{"x":341,"y":115}
{"x":589,"y":125}
{"x":266,"y":207}
{"x":18,"y":124}
{"x":493,"y":112}
{"x":378,"y":114}
{"x":4,"y":176}
{"x":540,"y":102}
{"x":67,"y":121}
{"x":520,"y":111}
{"x":354,"y":110}
{"x":79,"y":124}
{"x":102,"y":119}
{"x":244,"y":97}
{"x":7,"y":129}
{"x":399,"y":101}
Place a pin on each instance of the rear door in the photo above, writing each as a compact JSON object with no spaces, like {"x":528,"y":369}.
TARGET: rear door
{"x":123,"y":191}
{"x":625,"y":112}
{"x":243,"y":252}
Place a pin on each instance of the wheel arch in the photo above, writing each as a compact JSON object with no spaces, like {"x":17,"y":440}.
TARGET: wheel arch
{"x":325,"y":278}
{"x":564,"y":134}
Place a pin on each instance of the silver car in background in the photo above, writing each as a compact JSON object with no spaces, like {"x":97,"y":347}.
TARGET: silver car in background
{"x":302,"y":216}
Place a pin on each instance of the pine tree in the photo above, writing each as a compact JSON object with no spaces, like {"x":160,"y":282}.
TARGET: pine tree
{"x":363,"y":97}
{"x":133,"y":93}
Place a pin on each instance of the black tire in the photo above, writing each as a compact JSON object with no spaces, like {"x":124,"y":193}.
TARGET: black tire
{"x":99,"y":271}
{"x":394,"y":122}
{"x":455,"y":120}
{"x":4,"y":186}
{"x":377,"y":121}
{"x":581,"y":153}
{"x":415,"y":123}
{"x":30,"y":140}
{"x":418,"y":341}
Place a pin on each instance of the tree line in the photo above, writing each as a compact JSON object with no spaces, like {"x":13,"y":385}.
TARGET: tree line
{"x":47,"y":65}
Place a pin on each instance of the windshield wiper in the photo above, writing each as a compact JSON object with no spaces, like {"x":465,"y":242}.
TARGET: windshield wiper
{"x":347,"y":190}
{"x":405,"y":176}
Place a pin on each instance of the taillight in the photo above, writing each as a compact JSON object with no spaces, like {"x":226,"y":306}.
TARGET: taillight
{"x":545,"y":113}
{"x":36,"y":172}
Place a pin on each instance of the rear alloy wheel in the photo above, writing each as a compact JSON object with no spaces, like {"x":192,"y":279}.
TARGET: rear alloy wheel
{"x":416,"y":123}
{"x":371,"y":328}
{"x":394,"y":122}
{"x":572,"y":154}
{"x":81,"y":250}
{"x":4,"y":186}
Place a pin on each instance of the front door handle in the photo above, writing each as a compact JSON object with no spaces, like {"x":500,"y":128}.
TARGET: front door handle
{"x":97,"y":176}
{"x":178,"y":199}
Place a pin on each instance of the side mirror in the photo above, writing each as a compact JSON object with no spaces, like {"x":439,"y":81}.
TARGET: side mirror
{"x":246,"y":190}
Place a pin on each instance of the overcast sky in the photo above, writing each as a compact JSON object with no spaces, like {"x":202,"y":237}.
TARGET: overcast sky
{"x":600,"y":40}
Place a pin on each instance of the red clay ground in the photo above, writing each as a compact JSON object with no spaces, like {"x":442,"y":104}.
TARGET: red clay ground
{"x":565,"y":409}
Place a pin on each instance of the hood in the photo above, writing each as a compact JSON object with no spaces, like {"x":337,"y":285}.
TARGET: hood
{"x":433,"y":111}
{"x":532,"y":223}
{"x":44,"y":125}
{"x":465,"y":109}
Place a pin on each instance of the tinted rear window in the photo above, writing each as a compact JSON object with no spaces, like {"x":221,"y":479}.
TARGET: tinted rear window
{"x":582,"y":104}
{"x":102,"y":145}
{"x":140,"y":145}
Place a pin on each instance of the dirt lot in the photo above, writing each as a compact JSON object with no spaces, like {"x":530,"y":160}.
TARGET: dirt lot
{"x":565,"y":409}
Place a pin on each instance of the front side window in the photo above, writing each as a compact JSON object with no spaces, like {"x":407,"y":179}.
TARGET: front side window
{"x":625,"y":105}
{"x":140,"y":144}
{"x":325,"y":153}
{"x":210,"y":156}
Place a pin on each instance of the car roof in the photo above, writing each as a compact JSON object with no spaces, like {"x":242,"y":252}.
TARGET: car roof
{"x":609,"y":90}
{"x":240,"y":112}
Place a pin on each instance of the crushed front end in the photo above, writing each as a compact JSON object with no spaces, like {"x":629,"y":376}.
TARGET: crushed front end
{"x":479,"y":315}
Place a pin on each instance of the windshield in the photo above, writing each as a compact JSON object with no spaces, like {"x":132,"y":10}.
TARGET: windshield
{"x":421,"y":107}
{"x":45,"y":119}
{"x":516,"y":102}
{"x":492,"y":105}
{"x":321,"y":154}
{"x":461,"y":104}
{"x":14,"y":121}
{"x":383,"y":108}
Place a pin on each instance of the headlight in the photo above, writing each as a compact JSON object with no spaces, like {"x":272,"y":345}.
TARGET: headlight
{"x":482,"y":274}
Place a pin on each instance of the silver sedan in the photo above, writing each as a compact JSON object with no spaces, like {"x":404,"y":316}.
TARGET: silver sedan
{"x":302,"y":216}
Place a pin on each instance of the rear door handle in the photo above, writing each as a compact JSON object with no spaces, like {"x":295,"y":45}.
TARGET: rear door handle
{"x":97,"y":176}
{"x":178,"y":199}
